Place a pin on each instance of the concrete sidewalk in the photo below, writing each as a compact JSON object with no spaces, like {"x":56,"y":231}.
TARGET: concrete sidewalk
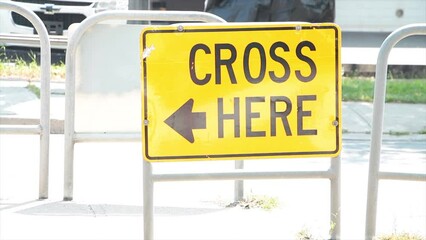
{"x":108,"y":192}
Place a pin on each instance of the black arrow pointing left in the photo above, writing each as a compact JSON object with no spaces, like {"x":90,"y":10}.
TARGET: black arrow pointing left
{"x":183,"y":121}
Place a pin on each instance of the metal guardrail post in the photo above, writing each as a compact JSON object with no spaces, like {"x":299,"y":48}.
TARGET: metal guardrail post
{"x":44,"y":128}
{"x":148,"y":201}
{"x":377,"y":128}
{"x":335,"y":198}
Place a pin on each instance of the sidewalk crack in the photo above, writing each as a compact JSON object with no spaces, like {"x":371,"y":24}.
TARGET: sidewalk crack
{"x":361,"y":116}
{"x":92,"y":210}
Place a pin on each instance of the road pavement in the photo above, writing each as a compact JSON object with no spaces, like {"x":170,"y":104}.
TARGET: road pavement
{"x":108,"y":192}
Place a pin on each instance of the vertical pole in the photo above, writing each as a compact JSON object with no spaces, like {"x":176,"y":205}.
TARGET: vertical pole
{"x":335,"y":198}
{"x":44,"y":136}
{"x":372,"y":196}
{"x":375,"y":148}
{"x":148,"y":201}
{"x":69,"y":126}
{"x":44,"y":158}
{"x":376,"y":141}
{"x":44,"y":111}
{"x":239,"y":184}
{"x":68,"y":168}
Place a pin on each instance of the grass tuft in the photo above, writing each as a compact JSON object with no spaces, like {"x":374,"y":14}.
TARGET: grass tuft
{"x":257,"y":201}
{"x":34,"y":89}
{"x":400,"y":236}
{"x":28,"y":70}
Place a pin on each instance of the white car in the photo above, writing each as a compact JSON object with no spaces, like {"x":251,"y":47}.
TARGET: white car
{"x":57,"y":15}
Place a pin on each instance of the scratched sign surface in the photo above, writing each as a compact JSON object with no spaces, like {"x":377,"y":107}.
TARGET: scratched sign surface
{"x":240,"y":91}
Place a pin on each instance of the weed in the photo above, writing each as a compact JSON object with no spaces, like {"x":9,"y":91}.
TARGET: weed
{"x":19,"y":68}
{"x":34,"y":89}
{"x":57,"y":71}
{"x":397,"y":133}
{"x":332,"y":228}
{"x":257,"y":201}
{"x":304,"y":234}
{"x":260,"y":201}
{"x":400,"y":236}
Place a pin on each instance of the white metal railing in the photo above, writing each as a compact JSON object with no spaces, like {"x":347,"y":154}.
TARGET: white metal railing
{"x":43,"y":129}
{"x":72,"y":137}
{"x":377,"y":128}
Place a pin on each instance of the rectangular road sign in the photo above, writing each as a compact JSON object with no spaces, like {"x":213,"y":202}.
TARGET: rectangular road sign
{"x":236,"y":91}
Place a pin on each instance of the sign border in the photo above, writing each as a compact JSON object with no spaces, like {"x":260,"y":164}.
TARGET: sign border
{"x":332,"y":153}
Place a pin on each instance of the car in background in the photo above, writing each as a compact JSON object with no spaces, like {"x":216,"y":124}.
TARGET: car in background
{"x":57,"y":16}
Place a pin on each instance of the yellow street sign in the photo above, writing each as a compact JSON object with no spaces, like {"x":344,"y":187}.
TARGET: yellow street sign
{"x":241,"y":91}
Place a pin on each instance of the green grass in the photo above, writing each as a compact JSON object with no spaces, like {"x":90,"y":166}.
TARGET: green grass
{"x":20,"y":69}
{"x":353,"y":89}
{"x":401,"y":91}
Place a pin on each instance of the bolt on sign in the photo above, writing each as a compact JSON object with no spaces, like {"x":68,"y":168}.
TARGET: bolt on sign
{"x":236,"y":91}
